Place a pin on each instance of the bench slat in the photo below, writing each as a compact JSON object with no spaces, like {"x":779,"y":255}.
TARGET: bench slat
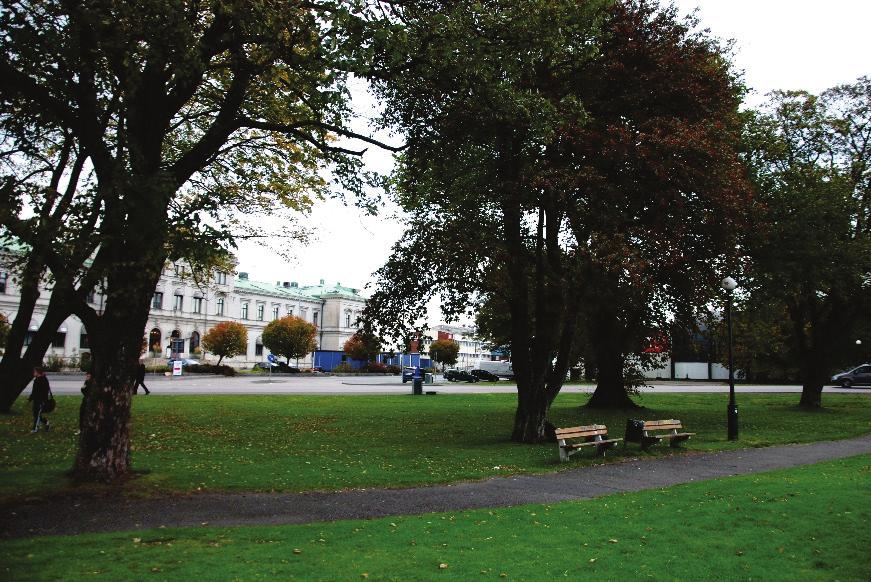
{"x":581,"y":431}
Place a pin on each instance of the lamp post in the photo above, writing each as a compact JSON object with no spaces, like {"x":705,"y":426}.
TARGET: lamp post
{"x":729,"y":285}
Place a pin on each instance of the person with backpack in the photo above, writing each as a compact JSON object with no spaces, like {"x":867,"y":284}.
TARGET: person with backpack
{"x":40,"y":394}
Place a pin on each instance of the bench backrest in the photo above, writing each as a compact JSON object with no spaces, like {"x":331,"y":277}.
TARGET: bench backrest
{"x":671,"y":424}
{"x":582,"y":431}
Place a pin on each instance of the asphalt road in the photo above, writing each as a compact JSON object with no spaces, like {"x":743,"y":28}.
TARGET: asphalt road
{"x":331,"y":385}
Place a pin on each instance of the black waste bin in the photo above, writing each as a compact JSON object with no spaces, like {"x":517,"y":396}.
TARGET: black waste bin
{"x":417,"y":385}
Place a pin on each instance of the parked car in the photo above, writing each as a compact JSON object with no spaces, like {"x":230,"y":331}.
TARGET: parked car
{"x":484,"y":375}
{"x":459,"y":376}
{"x":858,"y":375}
{"x":276,"y":367}
{"x":184,"y":362}
{"x":408,"y":373}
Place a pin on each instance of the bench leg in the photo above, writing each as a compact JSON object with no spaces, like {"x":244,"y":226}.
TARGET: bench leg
{"x":675,"y":442}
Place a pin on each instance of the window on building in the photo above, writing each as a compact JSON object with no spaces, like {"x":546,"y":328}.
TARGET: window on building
{"x":198,"y":304}
{"x":60,"y":339}
{"x":219,"y":306}
{"x":260,"y":309}
{"x":92,"y":297}
{"x":195,"y":341}
{"x":348,"y":320}
{"x":244,"y":311}
{"x":180,"y":270}
{"x":258,"y":349}
{"x":83,"y":341}
{"x":290,"y":309}
{"x":157,"y":300}
{"x":275,"y":313}
{"x":179,"y":303}
{"x":220,"y":277}
{"x":315,"y":315}
{"x":4,"y":277}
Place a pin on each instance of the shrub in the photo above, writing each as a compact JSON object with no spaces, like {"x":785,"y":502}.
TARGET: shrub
{"x":210,"y":369}
{"x":376,"y":367}
{"x":393,"y":369}
{"x":53,"y":363}
{"x":344,"y":368}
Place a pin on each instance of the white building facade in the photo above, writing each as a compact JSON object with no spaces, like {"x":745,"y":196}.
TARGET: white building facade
{"x":182,"y":311}
{"x":472,"y":349}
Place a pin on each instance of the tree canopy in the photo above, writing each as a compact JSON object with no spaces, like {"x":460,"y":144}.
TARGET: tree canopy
{"x":363,"y":346}
{"x":444,"y":351}
{"x":179,"y":114}
{"x":226,"y":340}
{"x":290,"y":337}
{"x":564,"y":152}
{"x":809,"y":253}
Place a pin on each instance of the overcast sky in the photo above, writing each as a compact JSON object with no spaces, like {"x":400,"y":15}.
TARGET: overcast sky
{"x":780,"y":44}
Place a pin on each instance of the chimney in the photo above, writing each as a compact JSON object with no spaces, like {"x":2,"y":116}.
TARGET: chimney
{"x":322,"y":281}
{"x":243,"y":276}
{"x":286,"y":284}
{"x":293,"y":284}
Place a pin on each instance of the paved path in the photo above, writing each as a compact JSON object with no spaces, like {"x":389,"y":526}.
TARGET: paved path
{"x":65,"y":517}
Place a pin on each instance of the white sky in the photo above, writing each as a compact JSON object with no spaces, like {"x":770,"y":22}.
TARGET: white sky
{"x":780,"y":44}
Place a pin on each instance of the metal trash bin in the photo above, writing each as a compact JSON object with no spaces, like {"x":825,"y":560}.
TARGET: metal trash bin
{"x":428,"y":378}
{"x":417,"y":385}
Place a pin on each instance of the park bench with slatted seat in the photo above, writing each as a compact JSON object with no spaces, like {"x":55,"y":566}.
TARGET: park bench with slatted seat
{"x":651,"y":432}
{"x":573,"y":440}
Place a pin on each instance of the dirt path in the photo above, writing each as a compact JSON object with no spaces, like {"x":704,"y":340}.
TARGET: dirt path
{"x":66,"y":517}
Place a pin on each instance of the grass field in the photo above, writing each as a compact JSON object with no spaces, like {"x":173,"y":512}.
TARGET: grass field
{"x":809,"y":523}
{"x":298,"y":443}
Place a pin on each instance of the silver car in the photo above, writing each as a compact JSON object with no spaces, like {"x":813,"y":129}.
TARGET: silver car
{"x":859,"y":375}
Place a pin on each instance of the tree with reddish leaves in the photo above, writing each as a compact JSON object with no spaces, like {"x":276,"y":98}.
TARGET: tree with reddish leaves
{"x":226,"y":339}
{"x":362,"y":346}
{"x":576,"y":163}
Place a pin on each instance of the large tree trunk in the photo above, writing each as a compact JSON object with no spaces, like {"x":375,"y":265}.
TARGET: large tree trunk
{"x":530,"y":418}
{"x":611,"y":391}
{"x":135,"y":257}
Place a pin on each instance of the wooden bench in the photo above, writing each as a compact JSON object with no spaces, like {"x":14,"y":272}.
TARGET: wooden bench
{"x":651,"y":432}
{"x":594,"y":435}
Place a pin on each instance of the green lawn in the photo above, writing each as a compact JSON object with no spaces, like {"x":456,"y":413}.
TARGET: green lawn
{"x":296,"y":443}
{"x":809,"y":523}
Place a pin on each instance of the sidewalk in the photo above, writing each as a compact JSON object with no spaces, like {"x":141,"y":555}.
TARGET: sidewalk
{"x":74,"y":516}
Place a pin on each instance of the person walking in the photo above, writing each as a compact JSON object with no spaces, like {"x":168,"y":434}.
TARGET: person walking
{"x":140,"y":380}
{"x":39,"y":396}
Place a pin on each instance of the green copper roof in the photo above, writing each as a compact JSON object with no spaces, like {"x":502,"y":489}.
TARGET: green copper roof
{"x":308,"y":292}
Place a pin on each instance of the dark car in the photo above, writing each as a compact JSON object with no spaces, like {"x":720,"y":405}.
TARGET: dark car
{"x":459,"y":376}
{"x":484,"y":375}
{"x":276,"y":367}
{"x":859,"y":375}
{"x":408,"y":373}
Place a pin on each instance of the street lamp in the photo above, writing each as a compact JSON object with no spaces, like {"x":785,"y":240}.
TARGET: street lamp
{"x":729,"y":285}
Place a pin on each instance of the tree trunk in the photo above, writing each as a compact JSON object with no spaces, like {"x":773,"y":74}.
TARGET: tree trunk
{"x":611,"y":389}
{"x":530,"y":418}
{"x":811,"y":395}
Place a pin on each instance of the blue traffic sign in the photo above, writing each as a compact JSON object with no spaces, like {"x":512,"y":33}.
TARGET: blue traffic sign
{"x":271,"y":358}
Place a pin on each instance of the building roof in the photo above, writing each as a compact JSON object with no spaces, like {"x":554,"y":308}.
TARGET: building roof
{"x":293,"y":292}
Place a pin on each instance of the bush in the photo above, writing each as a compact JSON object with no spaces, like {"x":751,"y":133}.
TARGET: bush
{"x":210,"y":369}
{"x":85,"y":363}
{"x":393,"y":369}
{"x":376,"y":367}
{"x":344,"y":368}
{"x":53,"y":363}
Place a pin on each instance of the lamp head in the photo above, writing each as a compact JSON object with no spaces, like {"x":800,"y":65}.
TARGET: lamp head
{"x":729,"y":284}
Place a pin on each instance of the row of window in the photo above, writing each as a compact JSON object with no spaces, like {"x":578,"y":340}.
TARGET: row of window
{"x":197,"y":307}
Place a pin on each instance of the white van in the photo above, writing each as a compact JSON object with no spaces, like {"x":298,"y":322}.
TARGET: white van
{"x":501,"y":369}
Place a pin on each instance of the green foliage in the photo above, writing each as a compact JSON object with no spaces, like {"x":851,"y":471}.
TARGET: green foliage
{"x":210,"y":369}
{"x":444,"y":351}
{"x":229,"y":442}
{"x":344,"y":368}
{"x":54,"y":363}
{"x":226,"y":340}
{"x":806,"y":285}
{"x":290,"y":337}
{"x":765,"y":526}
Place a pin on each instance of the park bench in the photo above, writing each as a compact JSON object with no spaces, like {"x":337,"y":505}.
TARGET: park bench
{"x":650,"y":432}
{"x":594,"y":435}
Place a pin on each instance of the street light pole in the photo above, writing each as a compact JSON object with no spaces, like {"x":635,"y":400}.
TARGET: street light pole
{"x":729,"y":285}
